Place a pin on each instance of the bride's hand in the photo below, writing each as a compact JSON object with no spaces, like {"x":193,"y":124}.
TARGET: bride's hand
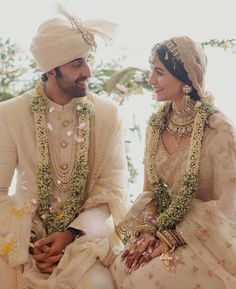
{"x":159,"y":248}
{"x":135,"y":251}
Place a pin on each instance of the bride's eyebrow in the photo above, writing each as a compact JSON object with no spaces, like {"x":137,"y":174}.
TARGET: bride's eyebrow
{"x":158,"y":68}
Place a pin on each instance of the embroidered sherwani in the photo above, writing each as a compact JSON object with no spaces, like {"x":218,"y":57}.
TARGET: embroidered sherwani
{"x":105,"y":188}
{"x":209,"y":228}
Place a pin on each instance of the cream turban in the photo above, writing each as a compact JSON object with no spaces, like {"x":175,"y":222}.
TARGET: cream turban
{"x":61,"y":40}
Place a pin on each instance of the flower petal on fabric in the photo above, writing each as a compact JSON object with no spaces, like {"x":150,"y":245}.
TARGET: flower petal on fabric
{"x":81,"y":125}
{"x":78,"y":139}
{"x":49,"y":126}
{"x":69,"y":133}
{"x":51,"y":109}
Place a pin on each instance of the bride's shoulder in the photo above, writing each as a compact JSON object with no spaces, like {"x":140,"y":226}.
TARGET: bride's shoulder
{"x":221,"y":130}
{"x":220,"y":123}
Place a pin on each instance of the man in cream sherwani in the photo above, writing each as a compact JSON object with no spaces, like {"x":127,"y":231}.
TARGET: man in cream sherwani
{"x":66,"y":145}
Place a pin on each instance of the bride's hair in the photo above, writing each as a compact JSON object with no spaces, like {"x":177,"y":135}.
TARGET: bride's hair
{"x":175,"y":67}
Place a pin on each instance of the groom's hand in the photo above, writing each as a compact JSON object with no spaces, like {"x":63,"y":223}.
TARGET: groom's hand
{"x":55,"y":244}
{"x":45,"y":266}
{"x":48,"y":252}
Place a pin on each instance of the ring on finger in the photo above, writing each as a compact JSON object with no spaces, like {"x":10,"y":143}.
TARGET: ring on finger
{"x":147,"y":256}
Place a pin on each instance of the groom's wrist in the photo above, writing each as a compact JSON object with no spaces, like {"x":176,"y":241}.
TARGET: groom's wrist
{"x":76,"y":233}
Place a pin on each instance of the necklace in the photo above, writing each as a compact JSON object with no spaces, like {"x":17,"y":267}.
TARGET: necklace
{"x":58,"y":219}
{"x":62,"y":175}
{"x":181,"y":120}
{"x":170,"y":213}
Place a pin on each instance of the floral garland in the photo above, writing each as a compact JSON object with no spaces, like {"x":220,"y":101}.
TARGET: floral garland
{"x":170,"y":213}
{"x":58,"y":220}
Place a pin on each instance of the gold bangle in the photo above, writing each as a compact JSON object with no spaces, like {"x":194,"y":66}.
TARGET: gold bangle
{"x":174,"y":236}
{"x":171,"y":239}
{"x":164,"y":239}
{"x":145,"y":227}
{"x":181,"y":240}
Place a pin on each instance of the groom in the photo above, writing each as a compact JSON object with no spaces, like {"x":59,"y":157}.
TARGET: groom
{"x":67,"y":147}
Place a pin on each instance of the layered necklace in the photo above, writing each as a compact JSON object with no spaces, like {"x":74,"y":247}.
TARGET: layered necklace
{"x":181,"y":120}
{"x":63,"y":174}
{"x":58,"y":219}
{"x":171,"y":212}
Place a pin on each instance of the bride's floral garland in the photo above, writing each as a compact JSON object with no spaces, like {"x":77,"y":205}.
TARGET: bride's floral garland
{"x":58,"y":220}
{"x":170,"y":213}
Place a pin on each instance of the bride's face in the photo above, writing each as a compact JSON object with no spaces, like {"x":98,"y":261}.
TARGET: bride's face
{"x":166,"y":86}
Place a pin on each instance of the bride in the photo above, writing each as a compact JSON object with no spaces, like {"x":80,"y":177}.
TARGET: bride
{"x":181,"y":232}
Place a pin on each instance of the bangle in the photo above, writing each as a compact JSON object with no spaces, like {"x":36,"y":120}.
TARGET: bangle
{"x":163,"y":238}
{"x":76,"y":233}
{"x":172,"y":238}
{"x":145,"y":227}
{"x":178,"y":237}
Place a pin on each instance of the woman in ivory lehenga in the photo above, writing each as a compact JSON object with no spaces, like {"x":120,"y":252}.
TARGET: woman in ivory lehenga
{"x":181,"y":231}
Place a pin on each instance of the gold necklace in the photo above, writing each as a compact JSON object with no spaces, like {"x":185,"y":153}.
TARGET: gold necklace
{"x":181,"y":120}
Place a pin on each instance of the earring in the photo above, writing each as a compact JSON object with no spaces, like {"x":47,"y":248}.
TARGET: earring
{"x":187,"y":89}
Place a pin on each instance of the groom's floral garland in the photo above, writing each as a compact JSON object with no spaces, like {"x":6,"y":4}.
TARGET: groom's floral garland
{"x":58,"y":220}
{"x":170,"y":213}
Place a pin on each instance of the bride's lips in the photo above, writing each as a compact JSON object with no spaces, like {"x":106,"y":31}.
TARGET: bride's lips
{"x":158,"y":89}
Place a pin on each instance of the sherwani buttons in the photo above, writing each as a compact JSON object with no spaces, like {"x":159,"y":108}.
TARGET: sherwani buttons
{"x":64,"y":144}
{"x":65,"y":123}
